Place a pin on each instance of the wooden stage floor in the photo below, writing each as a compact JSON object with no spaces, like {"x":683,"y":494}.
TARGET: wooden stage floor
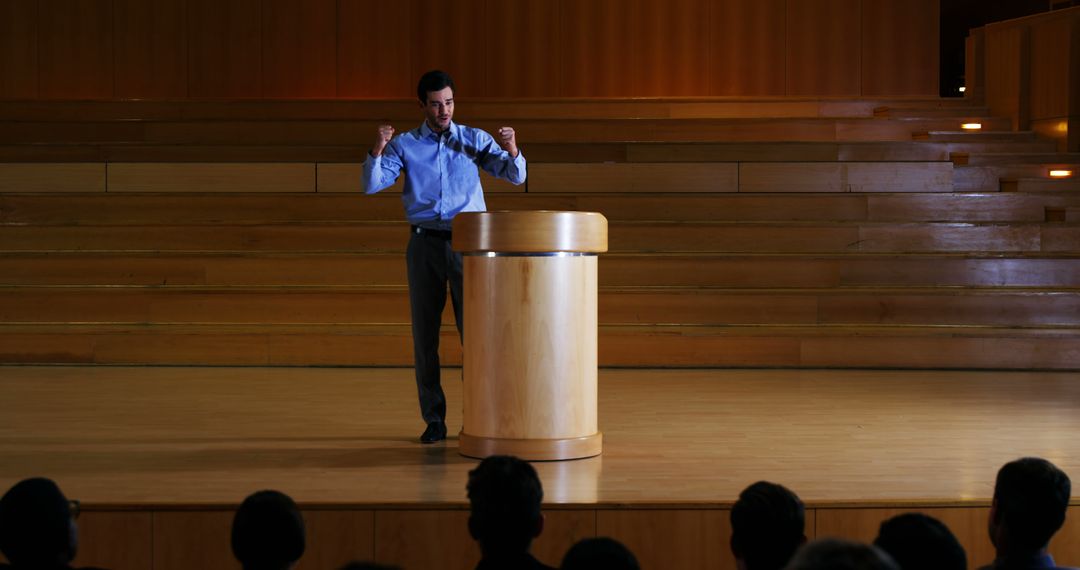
{"x":155,"y":437}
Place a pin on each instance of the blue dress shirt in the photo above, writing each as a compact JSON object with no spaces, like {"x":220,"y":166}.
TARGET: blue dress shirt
{"x":441,"y":171}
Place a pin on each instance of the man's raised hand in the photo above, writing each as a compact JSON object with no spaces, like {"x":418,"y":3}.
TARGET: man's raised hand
{"x":382,"y":138}
{"x":508,"y":141}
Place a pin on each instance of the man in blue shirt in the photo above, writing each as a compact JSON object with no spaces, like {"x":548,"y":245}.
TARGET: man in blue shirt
{"x":1031,"y":497}
{"x":441,"y":161}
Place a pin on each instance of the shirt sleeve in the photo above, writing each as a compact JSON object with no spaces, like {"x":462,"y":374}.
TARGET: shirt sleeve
{"x":380,"y":172}
{"x":497,"y":162}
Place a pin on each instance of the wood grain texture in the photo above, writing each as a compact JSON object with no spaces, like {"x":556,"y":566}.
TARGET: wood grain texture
{"x":666,"y":42}
{"x":1007,"y":73}
{"x":299,"y":48}
{"x":151,"y":49}
{"x":52,"y":177}
{"x":224,"y":48}
{"x":522,"y":43}
{"x":899,"y":52}
{"x":372,"y":58}
{"x":747,"y":50}
{"x":823,"y":39}
{"x":594,"y":42}
{"x":452,"y":40}
{"x":672,"y":538}
{"x":19,"y":49}
{"x":634,"y":177}
{"x":336,"y":537}
{"x":1051,"y":66}
{"x":208,"y":177}
{"x":530,"y":232}
{"x":119,"y":540}
{"x":194,"y":539}
{"x":76,"y":49}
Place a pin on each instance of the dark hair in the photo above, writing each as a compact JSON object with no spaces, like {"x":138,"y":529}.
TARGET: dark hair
{"x":504,"y":502}
{"x":433,"y":80}
{"x":838,"y":554}
{"x":920,"y":542}
{"x":1030,"y":497}
{"x":601,"y":553}
{"x":36,"y":526}
{"x":268,"y":530}
{"x":767,"y":526}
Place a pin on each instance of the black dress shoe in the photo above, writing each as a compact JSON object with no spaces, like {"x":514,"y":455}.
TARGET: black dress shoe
{"x":436,"y":431}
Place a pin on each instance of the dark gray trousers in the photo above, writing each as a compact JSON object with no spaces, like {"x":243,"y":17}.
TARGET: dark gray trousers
{"x":431,"y":264}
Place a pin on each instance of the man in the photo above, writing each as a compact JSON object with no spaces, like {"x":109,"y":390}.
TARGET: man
{"x":768,"y":525}
{"x":268,"y":532}
{"x":441,"y":160}
{"x":37,"y":526}
{"x":504,"y":513}
{"x":840,"y":554}
{"x":920,"y":542}
{"x":1031,"y":496}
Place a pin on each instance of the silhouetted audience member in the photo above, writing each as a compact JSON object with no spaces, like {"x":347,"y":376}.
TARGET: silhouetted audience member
{"x":838,"y":554}
{"x":37,"y":526}
{"x":599,"y":554}
{"x":767,"y":527}
{"x":920,"y":542}
{"x":268,"y":532}
{"x":504,"y":502}
{"x":1030,"y":499}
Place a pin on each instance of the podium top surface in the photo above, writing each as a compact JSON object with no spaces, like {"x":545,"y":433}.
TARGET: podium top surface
{"x":530,"y":231}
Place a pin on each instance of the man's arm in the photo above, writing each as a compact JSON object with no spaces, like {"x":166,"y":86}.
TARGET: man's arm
{"x":383,"y":163}
{"x":502,"y":158}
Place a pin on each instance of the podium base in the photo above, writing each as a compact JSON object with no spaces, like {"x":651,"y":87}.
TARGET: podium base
{"x":531,"y":449}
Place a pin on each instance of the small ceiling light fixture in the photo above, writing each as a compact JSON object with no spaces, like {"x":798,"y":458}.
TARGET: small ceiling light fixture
{"x":1060,"y":173}
{"x":963,"y":89}
{"x":971,"y":126}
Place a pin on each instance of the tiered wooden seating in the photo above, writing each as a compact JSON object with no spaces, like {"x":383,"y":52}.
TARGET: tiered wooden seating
{"x":830,"y":252}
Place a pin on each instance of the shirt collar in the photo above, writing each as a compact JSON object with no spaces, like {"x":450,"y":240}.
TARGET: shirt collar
{"x":426,"y":132}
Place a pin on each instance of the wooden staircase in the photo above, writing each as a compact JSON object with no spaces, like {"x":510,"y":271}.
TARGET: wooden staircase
{"x":761,"y":233}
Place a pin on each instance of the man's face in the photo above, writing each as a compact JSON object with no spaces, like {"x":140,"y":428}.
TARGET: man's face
{"x":439,"y":109}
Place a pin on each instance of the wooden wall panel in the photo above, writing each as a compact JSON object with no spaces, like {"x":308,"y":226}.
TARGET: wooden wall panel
{"x":900,"y":40}
{"x":151,"y":49}
{"x":299,"y":48}
{"x":121,"y":540}
{"x":672,"y":538}
{"x":1065,"y":546}
{"x":453,"y":40}
{"x":18,"y":49}
{"x":1006,"y":73}
{"x":746,"y":44}
{"x":374,"y":50}
{"x":195,"y":539}
{"x":523,"y":40}
{"x":1050,"y":66}
{"x":425,"y":539}
{"x":823,"y":42}
{"x":594,"y":48}
{"x":968,"y":524}
{"x":667,"y":52}
{"x":75,"y":49}
{"x":335,"y":538}
{"x":224,"y":48}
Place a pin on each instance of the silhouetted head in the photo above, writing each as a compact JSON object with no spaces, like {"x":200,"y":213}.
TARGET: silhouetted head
{"x":504,"y":502}
{"x":1031,"y":496}
{"x":837,"y":554}
{"x":767,"y":526}
{"x":268,"y":532}
{"x":600,"y":553}
{"x":37,"y":526}
{"x":920,"y":542}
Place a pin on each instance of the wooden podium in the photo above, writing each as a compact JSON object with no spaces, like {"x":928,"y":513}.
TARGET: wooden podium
{"x":530,"y":333}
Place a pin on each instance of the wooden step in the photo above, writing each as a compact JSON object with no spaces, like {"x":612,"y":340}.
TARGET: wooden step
{"x":618,"y":306}
{"x":489,"y":108}
{"x":1047,"y":160}
{"x":729,"y":237}
{"x":1041,"y":184}
{"x":972,"y":113}
{"x":616,"y":270}
{"x":986,"y":134}
{"x":241,"y":208}
{"x":529,"y":130}
{"x":988,"y":178}
{"x":678,"y":346}
{"x":776,"y":151}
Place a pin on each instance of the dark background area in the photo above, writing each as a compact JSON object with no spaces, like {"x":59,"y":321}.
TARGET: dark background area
{"x":960,"y":16}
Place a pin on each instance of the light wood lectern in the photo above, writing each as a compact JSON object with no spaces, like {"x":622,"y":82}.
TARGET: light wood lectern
{"x":530,"y":333}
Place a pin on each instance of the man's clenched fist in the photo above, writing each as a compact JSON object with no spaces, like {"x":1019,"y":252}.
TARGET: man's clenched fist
{"x":508,"y":141}
{"x":382,"y":138}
